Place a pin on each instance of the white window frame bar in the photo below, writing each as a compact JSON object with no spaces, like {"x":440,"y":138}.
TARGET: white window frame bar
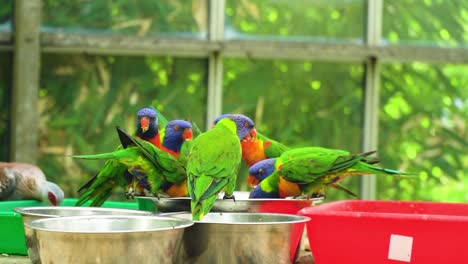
{"x":215,"y":62}
{"x":371,"y":94}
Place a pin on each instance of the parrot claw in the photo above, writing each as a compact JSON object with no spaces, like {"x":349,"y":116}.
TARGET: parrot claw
{"x":229,"y":197}
{"x":130,"y":194}
{"x":161,"y":195}
{"x":312,"y":196}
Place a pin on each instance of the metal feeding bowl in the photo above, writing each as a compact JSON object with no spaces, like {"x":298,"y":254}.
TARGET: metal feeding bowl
{"x":106,"y":239}
{"x":240,"y":238}
{"x":39,"y":212}
{"x":242,"y":203}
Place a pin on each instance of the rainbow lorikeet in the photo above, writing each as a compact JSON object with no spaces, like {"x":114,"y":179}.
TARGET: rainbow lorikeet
{"x":153,"y":169}
{"x":259,"y":148}
{"x":147,"y":126}
{"x":176,"y":141}
{"x":114,"y":174}
{"x":308,"y":171}
{"x":214,"y":161}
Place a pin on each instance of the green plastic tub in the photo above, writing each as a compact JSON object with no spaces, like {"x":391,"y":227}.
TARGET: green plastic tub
{"x":12,"y":231}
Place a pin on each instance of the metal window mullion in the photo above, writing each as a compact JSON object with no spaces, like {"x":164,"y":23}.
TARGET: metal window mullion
{"x":26,"y":65}
{"x":371,"y":95}
{"x":215,"y":62}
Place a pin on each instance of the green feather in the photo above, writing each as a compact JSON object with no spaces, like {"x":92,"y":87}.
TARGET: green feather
{"x":275,"y":149}
{"x":315,"y":168}
{"x":212,"y":165}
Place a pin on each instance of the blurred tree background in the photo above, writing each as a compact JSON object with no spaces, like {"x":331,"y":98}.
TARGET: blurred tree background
{"x":423,"y":109}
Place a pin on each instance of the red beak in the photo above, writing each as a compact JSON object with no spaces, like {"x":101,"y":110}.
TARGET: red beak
{"x":144,"y":123}
{"x":251,"y":136}
{"x":188,"y":134}
{"x":252,"y":181}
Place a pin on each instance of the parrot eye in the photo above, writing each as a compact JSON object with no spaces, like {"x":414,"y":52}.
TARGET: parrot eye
{"x":176,"y":127}
{"x":247,"y":125}
{"x":261,"y":171}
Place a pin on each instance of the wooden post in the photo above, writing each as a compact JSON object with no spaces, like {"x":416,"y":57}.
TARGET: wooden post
{"x":26,"y":65}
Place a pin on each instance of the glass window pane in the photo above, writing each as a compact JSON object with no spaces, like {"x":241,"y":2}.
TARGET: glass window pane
{"x":6,"y":13}
{"x":140,"y":18}
{"x":83,"y":98}
{"x":432,"y":22}
{"x":299,"y":103}
{"x":319,"y":20}
{"x":423,"y":129}
{"x":5,"y":95}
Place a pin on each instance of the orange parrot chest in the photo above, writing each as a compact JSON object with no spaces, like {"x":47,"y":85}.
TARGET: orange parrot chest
{"x":252,"y":152}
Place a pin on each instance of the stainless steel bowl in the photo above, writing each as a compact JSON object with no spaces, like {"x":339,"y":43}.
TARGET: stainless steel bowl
{"x":39,"y":212}
{"x":240,"y":238}
{"x":106,"y":239}
{"x":241,"y":204}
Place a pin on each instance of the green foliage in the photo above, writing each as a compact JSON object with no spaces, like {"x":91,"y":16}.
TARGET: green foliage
{"x":5,"y":84}
{"x":423,"y":115}
{"x":428,"y":22}
{"x":6,"y":12}
{"x":299,"y":103}
{"x":139,"y":17}
{"x":83,"y":98}
{"x":317,"y":19}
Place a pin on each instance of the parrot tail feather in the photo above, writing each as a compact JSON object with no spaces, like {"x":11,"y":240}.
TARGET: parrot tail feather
{"x":88,"y":183}
{"x":109,"y":155}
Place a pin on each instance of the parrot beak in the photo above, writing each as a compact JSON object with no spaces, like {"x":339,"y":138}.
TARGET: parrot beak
{"x":144,"y":123}
{"x":252,"y":181}
{"x":187,"y":135}
{"x":253,"y":134}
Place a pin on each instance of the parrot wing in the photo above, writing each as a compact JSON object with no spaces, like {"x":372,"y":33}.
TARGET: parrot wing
{"x":167,"y":166}
{"x":272,"y":148}
{"x":100,"y":187}
{"x":213,"y":164}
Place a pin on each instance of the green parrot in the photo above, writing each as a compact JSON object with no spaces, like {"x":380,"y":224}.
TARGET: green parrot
{"x":113,"y":174}
{"x":308,"y":171}
{"x":155,"y":170}
{"x":214,"y":161}
{"x":259,"y":148}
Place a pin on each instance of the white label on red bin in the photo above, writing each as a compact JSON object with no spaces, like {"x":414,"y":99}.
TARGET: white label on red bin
{"x":400,"y":248}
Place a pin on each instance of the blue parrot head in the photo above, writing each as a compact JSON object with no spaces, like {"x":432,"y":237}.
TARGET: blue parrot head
{"x":219,"y":118}
{"x":260,"y":170}
{"x":177,"y":131}
{"x":244,"y":126}
{"x":259,"y":193}
{"x":147,"y":123}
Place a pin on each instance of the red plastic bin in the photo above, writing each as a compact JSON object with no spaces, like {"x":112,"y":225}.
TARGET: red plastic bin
{"x":376,"y":232}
